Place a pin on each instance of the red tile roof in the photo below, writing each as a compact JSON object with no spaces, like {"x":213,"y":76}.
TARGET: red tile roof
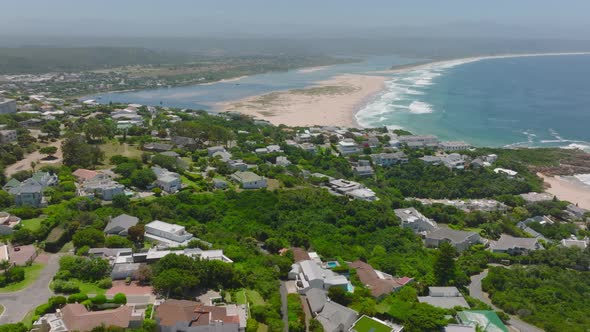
{"x":77,"y":318}
{"x":299,"y":254}
{"x":370,"y":278}
{"x":193,"y":313}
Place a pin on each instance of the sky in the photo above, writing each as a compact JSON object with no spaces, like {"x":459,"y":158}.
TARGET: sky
{"x":296,"y":18}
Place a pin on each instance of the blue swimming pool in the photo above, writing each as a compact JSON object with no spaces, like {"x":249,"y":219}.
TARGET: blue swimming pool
{"x":332,"y":264}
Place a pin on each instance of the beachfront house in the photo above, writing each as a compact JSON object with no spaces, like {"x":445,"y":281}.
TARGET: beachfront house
{"x":389,"y":159}
{"x":348,"y":146}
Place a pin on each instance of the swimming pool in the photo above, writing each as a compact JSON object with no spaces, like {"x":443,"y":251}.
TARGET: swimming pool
{"x":332,"y":264}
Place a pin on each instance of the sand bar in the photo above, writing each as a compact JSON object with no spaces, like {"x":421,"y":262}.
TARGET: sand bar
{"x":568,"y":190}
{"x":332,"y":102}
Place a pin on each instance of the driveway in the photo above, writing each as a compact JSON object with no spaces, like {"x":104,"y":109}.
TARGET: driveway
{"x":18,"y":304}
{"x":284,"y":307}
{"x":476,"y":292}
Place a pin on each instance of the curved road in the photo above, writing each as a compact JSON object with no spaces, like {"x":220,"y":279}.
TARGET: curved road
{"x":18,"y":304}
{"x":476,"y":292}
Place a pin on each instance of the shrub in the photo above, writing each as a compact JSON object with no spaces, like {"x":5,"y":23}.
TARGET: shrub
{"x":63,"y":275}
{"x":83,"y":251}
{"x":66,"y":287}
{"x":43,"y":309}
{"x":57,"y":302}
{"x":105,"y":283}
{"x":77,"y":298}
{"x":15,"y":274}
{"x":99,"y":299}
{"x":120,"y":298}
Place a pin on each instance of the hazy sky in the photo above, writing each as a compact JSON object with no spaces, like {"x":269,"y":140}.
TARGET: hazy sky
{"x":538,"y":18}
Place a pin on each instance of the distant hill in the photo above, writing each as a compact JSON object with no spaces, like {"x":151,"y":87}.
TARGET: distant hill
{"x":31,"y":60}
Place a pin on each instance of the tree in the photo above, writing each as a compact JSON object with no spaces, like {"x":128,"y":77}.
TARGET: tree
{"x":91,"y":237}
{"x":49,"y":151}
{"x":23,"y":236}
{"x":51,"y":128}
{"x":143,"y":274}
{"x":76,"y":152}
{"x":120,"y":201}
{"x":339,"y":295}
{"x":5,"y":199}
{"x":117,"y":242}
{"x":444,"y":264}
{"x":143,"y":178}
{"x":136,"y":233}
{"x":120,"y":298}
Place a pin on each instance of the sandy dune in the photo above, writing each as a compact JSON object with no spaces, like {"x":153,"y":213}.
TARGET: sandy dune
{"x":568,"y":190}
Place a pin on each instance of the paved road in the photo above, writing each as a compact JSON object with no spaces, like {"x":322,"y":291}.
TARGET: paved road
{"x":18,"y":304}
{"x":284,"y":307}
{"x":476,"y":292}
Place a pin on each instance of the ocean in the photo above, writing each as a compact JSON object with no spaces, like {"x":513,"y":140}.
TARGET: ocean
{"x":523,"y":101}
{"x":539,"y":101}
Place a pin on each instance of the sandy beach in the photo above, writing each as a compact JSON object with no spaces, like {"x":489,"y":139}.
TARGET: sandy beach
{"x":568,"y":190}
{"x":312,"y":69}
{"x":332,"y":102}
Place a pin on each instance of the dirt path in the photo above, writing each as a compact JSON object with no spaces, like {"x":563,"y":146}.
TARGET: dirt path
{"x":25,"y":163}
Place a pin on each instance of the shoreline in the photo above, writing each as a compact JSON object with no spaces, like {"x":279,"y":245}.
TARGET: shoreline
{"x":338,"y":98}
{"x":568,"y":189}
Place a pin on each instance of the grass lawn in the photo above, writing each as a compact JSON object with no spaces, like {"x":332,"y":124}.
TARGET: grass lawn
{"x":32,"y":224}
{"x":114,"y":148}
{"x":67,"y":247}
{"x":241,"y":297}
{"x":1,"y":309}
{"x":366,"y":324}
{"x":28,"y":320}
{"x":254,"y":297}
{"x":382,"y":307}
{"x":86,"y":287}
{"x":262,"y":328}
{"x":31,"y":274}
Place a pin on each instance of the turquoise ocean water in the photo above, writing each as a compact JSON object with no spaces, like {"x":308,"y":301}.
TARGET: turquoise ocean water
{"x":525,"y":101}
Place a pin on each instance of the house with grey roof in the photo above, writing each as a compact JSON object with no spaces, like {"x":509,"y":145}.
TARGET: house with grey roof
{"x":389,"y":159}
{"x":336,"y":317}
{"x":316,"y":299}
{"x":411,"y":218}
{"x":171,"y":235}
{"x":120,"y":225}
{"x":461,"y":240}
{"x":166,"y":180}
{"x":444,"y":297}
{"x":157,"y":147}
{"x":30,"y":191}
{"x":249,"y":180}
{"x":515,"y":245}
{"x":219,"y":183}
{"x":7,"y":136}
{"x":101,"y":186}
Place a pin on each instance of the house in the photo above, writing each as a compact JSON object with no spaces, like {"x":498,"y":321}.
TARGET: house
{"x":168,"y":234}
{"x":411,"y":218}
{"x":213,"y":149}
{"x":309,"y":274}
{"x":249,"y":180}
{"x":381,"y":284}
{"x":166,"y":180}
{"x":372,"y":324}
{"x":432,"y":160}
{"x":237,"y":165}
{"x":123,"y":271}
{"x":363,"y":194}
{"x":576,"y":212}
{"x":183,"y":142}
{"x":454,"y":146}
{"x":336,"y":317}
{"x":155,"y":254}
{"x":30,"y":191}
{"x":454,"y":161}
{"x":75,"y":317}
{"x":7,"y":106}
{"x":569,"y":243}
{"x":389,"y":159}
{"x":485,"y":320}
{"x":7,"y":223}
{"x":461,"y":240}
{"x":417,"y":141}
{"x":120,"y":225}
{"x":101,"y":186}
{"x":515,"y":245}
{"x":316,"y":298}
{"x":348,"y":146}
{"x":282,"y":161}
{"x":189,"y":316}
{"x":365,"y":170}
{"x":444,"y":297}
{"x":308,"y":147}
{"x":530,"y":231}
{"x":7,"y":136}
{"x":508,"y":172}
{"x":157,"y":147}
{"x":533,"y":197}
{"x":219,"y":184}
{"x":223,"y":155}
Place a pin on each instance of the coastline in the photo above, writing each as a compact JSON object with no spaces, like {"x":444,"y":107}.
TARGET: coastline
{"x":282,"y":107}
{"x":568,"y":189}
{"x":332,"y":102}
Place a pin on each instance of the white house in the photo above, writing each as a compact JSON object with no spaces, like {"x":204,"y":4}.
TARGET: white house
{"x":168,"y":234}
{"x":166,"y":180}
{"x":411,"y":218}
{"x":249,"y":180}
